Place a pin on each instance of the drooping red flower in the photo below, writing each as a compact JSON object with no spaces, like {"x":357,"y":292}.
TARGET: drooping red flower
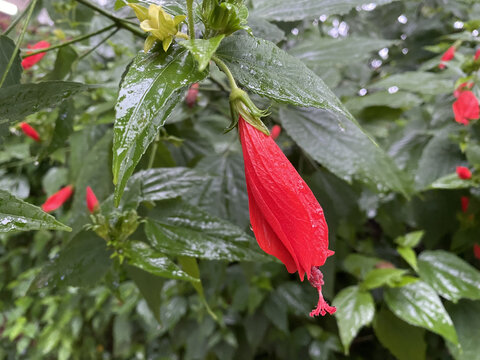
{"x":287,"y":220}
{"x":192,"y":94}
{"x":447,"y":56}
{"x":92,"y":201}
{"x":477,"y":55}
{"x":476,"y":250}
{"x":276,"y":130}
{"x":466,"y":107}
{"x":29,"y":131}
{"x":464,"y":173}
{"x":465,"y":201}
{"x":29,"y":61}
{"x":58,"y":199}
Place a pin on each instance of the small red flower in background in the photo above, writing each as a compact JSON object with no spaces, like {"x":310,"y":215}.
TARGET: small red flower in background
{"x":464,"y":173}
{"x":276,"y":130}
{"x":92,"y":201}
{"x":464,"y":86}
{"x":58,"y":199}
{"x":476,"y":251}
{"x":287,"y":220}
{"x":466,"y":107}
{"x":465,"y":201}
{"x":477,"y":55}
{"x":192,"y":94}
{"x":29,"y":131}
{"x":447,"y":56}
{"x":29,"y":61}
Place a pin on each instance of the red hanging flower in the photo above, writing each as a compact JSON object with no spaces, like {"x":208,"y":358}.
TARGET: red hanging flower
{"x":464,"y":173}
{"x":466,"y":107}
{"x":58,"y":199}
{"x":276,"y":130}
{"x":29,"y":61}
{"x":447,"y":56}
{"x":92,"y":201}
{"x":476,"y":251}
{"x":477,"y":55}
{"x":464,"y":86}
{"x":192,"y":94}
{"x":465,"y":201}
{"x":287,"y":220}
{"x":29,"y":131}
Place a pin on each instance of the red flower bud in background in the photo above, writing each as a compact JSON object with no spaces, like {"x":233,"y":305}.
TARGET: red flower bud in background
{"x":464,"y":86}
{"x":192,"y":94}
{"x":477,"y":55}
{"x":476,"y":250}
{"x":58,"y":199}
{"x":92,"y":201}
{"x":276,"y":130}
{"x":465,"y":201}
{"x":29,"y":131}
{"x":29,"y":61}
{"x":287,"y":220}
{"x":466,"y":107}
{"x":464,"y":173}
{"x":447,"y":56}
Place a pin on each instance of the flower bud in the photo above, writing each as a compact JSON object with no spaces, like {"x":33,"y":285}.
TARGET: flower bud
{"x":29,"y":131}
{"x":92,"y":202}
{"x":58,"y":199}
{"x":464,"y":173}
{"x":276,"y":130}
{"x":192,"y":94}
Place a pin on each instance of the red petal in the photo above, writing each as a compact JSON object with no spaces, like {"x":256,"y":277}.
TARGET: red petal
{"x":58,"y":199}
{"x":276,"y":130}
{"x":92,"y":202}
{"x":29,"y":61}
{"x":476,"y":251}
{"x":29,"y":131}
{"x":464,"y":202}
{"x":464,"y":173}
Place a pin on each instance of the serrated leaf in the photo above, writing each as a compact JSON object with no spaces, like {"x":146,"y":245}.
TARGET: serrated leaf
{"x":287,"y":10}
{"x":202,"y":50}
{"x":451,"y":182}
{"x":418,"y":304}
{"x":142,"y":256}
{"x":380,"y":277}
{"x":450,"y":276}
{"x":426,"y":83}
{"x":355,"y":309}
{"x":351,"y":155}
{"x":151,"y":88}
{"x":466,"y":317}
{"x":83,"y":262}
{"x":405,"y":342}
{"x":7,"y":47}
{"x":179,"y":229}
{"x":18,"y":101}
{"x":266,"y":70}
{"x":17,"y":215}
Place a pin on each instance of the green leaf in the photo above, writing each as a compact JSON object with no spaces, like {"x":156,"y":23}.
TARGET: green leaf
{"x":17,"y":215}
{"x":63,"y":127}
{"x":351,"y":155}
{"x":409,"y":256}
{"x":426,"y":83}
{"x":66,"y":56}
{"x":404,"y":341}
{"x":266,"y":70}
{"x":355,"y":309}
{"x":398,"y":100}
{"x":359,"y":265}
{"x":451,"y":182}
{"x":178,"y":229}
{"x":380,"y":277}
{"x":266,"y":30}
{"x":411,"y":239}
{"x":83,"y":262}
{"x":6,"y":50}
{"x":18,"y":101}
{"x":418,"y":304}
{"x":450,"y":276}
{"x":287,"y":10}
{"x":144,"y":257}
{"x":151,"y":88}
{"x":466,"y":317}
{"x":202,"y":50}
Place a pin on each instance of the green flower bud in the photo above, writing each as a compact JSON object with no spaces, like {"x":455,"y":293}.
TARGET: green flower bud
{"x":225,"y":16}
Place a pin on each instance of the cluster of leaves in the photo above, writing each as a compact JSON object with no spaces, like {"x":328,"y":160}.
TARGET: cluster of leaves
{"x":167,"y":268}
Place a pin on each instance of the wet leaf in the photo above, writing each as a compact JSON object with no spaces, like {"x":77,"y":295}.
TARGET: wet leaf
{"x":202,"y":50}
{"x":450,"y":276}
{"x":151,"y":88}
{"x":355,"y":309}
{"x":66,"y":56}
{"x":418,"y":304}
{"x":466,"y":317}
{"x":17,"y":215}
{"x":398,"y":100}
{"x":450,"y":182}
{"x":6,"y":50}
{"x":176,"y":228}
{"x":18,"y":101}
{"x":352,"y":154}
{"x":380,"y":277}
{"x":427,"y":83}
{"x":266,"y":30}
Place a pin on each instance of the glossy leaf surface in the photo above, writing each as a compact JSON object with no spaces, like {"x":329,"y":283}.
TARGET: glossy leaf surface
{"x":202,"y":50}
{"x":466,"y":317}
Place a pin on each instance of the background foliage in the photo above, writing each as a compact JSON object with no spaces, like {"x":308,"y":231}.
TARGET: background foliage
{"x":379,"y":151}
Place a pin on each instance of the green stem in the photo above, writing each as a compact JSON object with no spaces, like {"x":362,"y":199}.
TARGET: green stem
{"x":19,"y":41}
{"x":125,"y":24}
{"x":88,"y":52}
{"x":15,"y":22}
{"x":153,"y":152}
{"x":227,"y":72}
{"x":191,"y":21}
{"x":74,"y":40}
